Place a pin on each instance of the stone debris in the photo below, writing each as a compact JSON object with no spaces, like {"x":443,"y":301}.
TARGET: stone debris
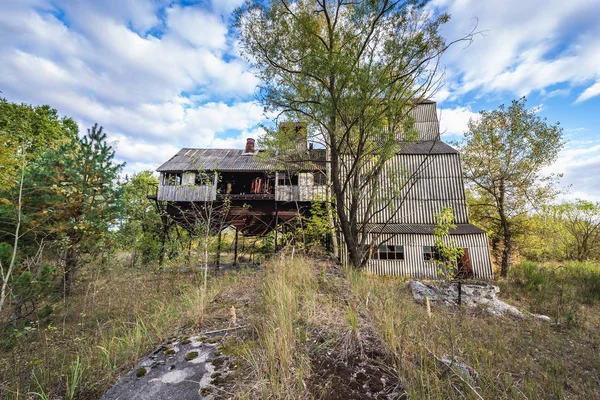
{"x":472,"y":295}
{"x":420,"y":291}
{"x":170,"y":372}
{"x":458,"y":365}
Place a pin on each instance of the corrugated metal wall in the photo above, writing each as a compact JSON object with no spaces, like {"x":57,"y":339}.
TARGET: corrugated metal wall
{"x":414,"y":264}
{"x":426,"y":121}
{"x":428,"y":182}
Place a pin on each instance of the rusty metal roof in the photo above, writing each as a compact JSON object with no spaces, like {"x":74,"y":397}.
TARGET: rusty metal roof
{"x":232,"y":160}
{"x":189,"y":159}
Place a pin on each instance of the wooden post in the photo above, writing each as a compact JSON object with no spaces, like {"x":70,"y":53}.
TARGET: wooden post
{"x":219,"y":250}
{"x":235,"y":248}
{"x":275,"y":228}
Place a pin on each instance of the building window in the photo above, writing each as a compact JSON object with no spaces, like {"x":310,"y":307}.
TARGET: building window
{"x":319,"y":178}
{"x":388,"y":252}
{"x":430,"y":253}
{"x":286,"y":179}
{"x":172,"y":179}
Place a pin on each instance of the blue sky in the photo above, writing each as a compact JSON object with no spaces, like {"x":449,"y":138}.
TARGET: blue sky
{"x":161,"y":75}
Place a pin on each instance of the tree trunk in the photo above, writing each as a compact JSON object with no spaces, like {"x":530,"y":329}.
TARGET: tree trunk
{"x":70,"y":266}
{"x":506,"y":233}
{"x":235,"y":249}
{"x":507,"y":243}
{"x":218,"y":261}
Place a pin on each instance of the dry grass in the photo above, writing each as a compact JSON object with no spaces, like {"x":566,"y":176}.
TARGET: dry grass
{"x":278,"y":363}
{"x":305,"y":320}
{"x":514,"y":359}
{"x":115,"y":316}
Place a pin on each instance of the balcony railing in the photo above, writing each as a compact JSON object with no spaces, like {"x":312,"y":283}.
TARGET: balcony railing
{"x":187,"y":193}
{"x":300,"y":193}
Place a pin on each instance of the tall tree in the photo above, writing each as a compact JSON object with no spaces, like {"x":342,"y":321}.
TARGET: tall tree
{"x":140,"y":226}
{"x":77,"y":194}
{"x":503,"y":154}
{"x":581,"y":220}
{"x":28,"y":131}
{"x":352,"y":70}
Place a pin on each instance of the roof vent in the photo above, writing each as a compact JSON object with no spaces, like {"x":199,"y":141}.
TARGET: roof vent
{"x":249,"y":145}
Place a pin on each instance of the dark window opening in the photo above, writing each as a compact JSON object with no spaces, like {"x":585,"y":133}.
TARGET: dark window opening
{"x":246,"y":183}
{"x":319,"y":178}
{"x":172,"y":179}
{"x":430,"y":253}
{"x":285,"y":179}
{"x":388,"y":252}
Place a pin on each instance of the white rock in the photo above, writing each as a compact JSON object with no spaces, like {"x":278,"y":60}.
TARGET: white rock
{"x":420,"y":291}
{"x":541,"y":317}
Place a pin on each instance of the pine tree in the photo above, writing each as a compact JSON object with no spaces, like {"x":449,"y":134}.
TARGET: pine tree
{"x":76,"y":196}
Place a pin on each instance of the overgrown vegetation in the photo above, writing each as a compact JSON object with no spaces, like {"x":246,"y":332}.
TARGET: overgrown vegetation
{"x":503,"y":154}
{"x":116,"y":315}
{"x":513,"y":359}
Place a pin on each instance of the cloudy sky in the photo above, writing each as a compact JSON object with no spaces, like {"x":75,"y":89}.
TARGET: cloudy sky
{"x":160,"y":75}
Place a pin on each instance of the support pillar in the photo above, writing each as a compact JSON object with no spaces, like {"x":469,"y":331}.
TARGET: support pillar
{"x":235,"y":249}
{"x":275,"y":228}
{"x":219,"y":250}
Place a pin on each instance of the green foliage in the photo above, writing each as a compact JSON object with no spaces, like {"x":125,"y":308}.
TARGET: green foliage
{"x":28,"y":131}
{"x":140,"y":226}
{"x":559,"y":290}
{"x":565,"y":231}
{"x":503,"y":155}
{"x":309,"y":232}
{"x":581,"y":222}
{"x":351,"y":71}
{"x":316,"y":226}
{"x":449,"y":252}
{"x":73,"y":195}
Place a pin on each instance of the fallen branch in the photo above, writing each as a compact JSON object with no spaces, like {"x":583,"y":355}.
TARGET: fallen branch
{"x":455,"y":373}
{"x":225,"y":330}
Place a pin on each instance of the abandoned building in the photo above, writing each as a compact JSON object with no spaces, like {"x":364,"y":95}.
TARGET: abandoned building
{"x":261,"y":195}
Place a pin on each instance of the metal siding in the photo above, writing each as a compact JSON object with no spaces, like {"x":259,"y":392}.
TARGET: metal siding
{"x":415,"y":266}
{"x":430,"y":182}
{"x":300,"y":192}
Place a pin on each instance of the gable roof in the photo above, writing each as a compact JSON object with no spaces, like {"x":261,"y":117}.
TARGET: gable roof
{"x":232,"y":160}
{"x":190,"y":159}
{"x":427,"y":147}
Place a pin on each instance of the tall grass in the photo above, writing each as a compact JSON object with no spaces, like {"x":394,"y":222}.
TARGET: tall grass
{"x":514,"y":359}
{"x":277,"y":358}
{"x":86,"y":345}
{"x":562,"y":291}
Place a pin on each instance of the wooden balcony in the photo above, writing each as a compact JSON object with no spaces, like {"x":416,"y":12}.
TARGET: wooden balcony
{"x":187,"y":193}
{"x":300,"y":193}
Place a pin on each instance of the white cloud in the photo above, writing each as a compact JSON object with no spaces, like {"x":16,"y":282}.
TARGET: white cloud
{"x":579,"y":163}
{"x":524,"y":46}
{"x":590,"y":92}
{"x":198,"y":27}
{"x":454,"y":121}
{"x":154,"y":75}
